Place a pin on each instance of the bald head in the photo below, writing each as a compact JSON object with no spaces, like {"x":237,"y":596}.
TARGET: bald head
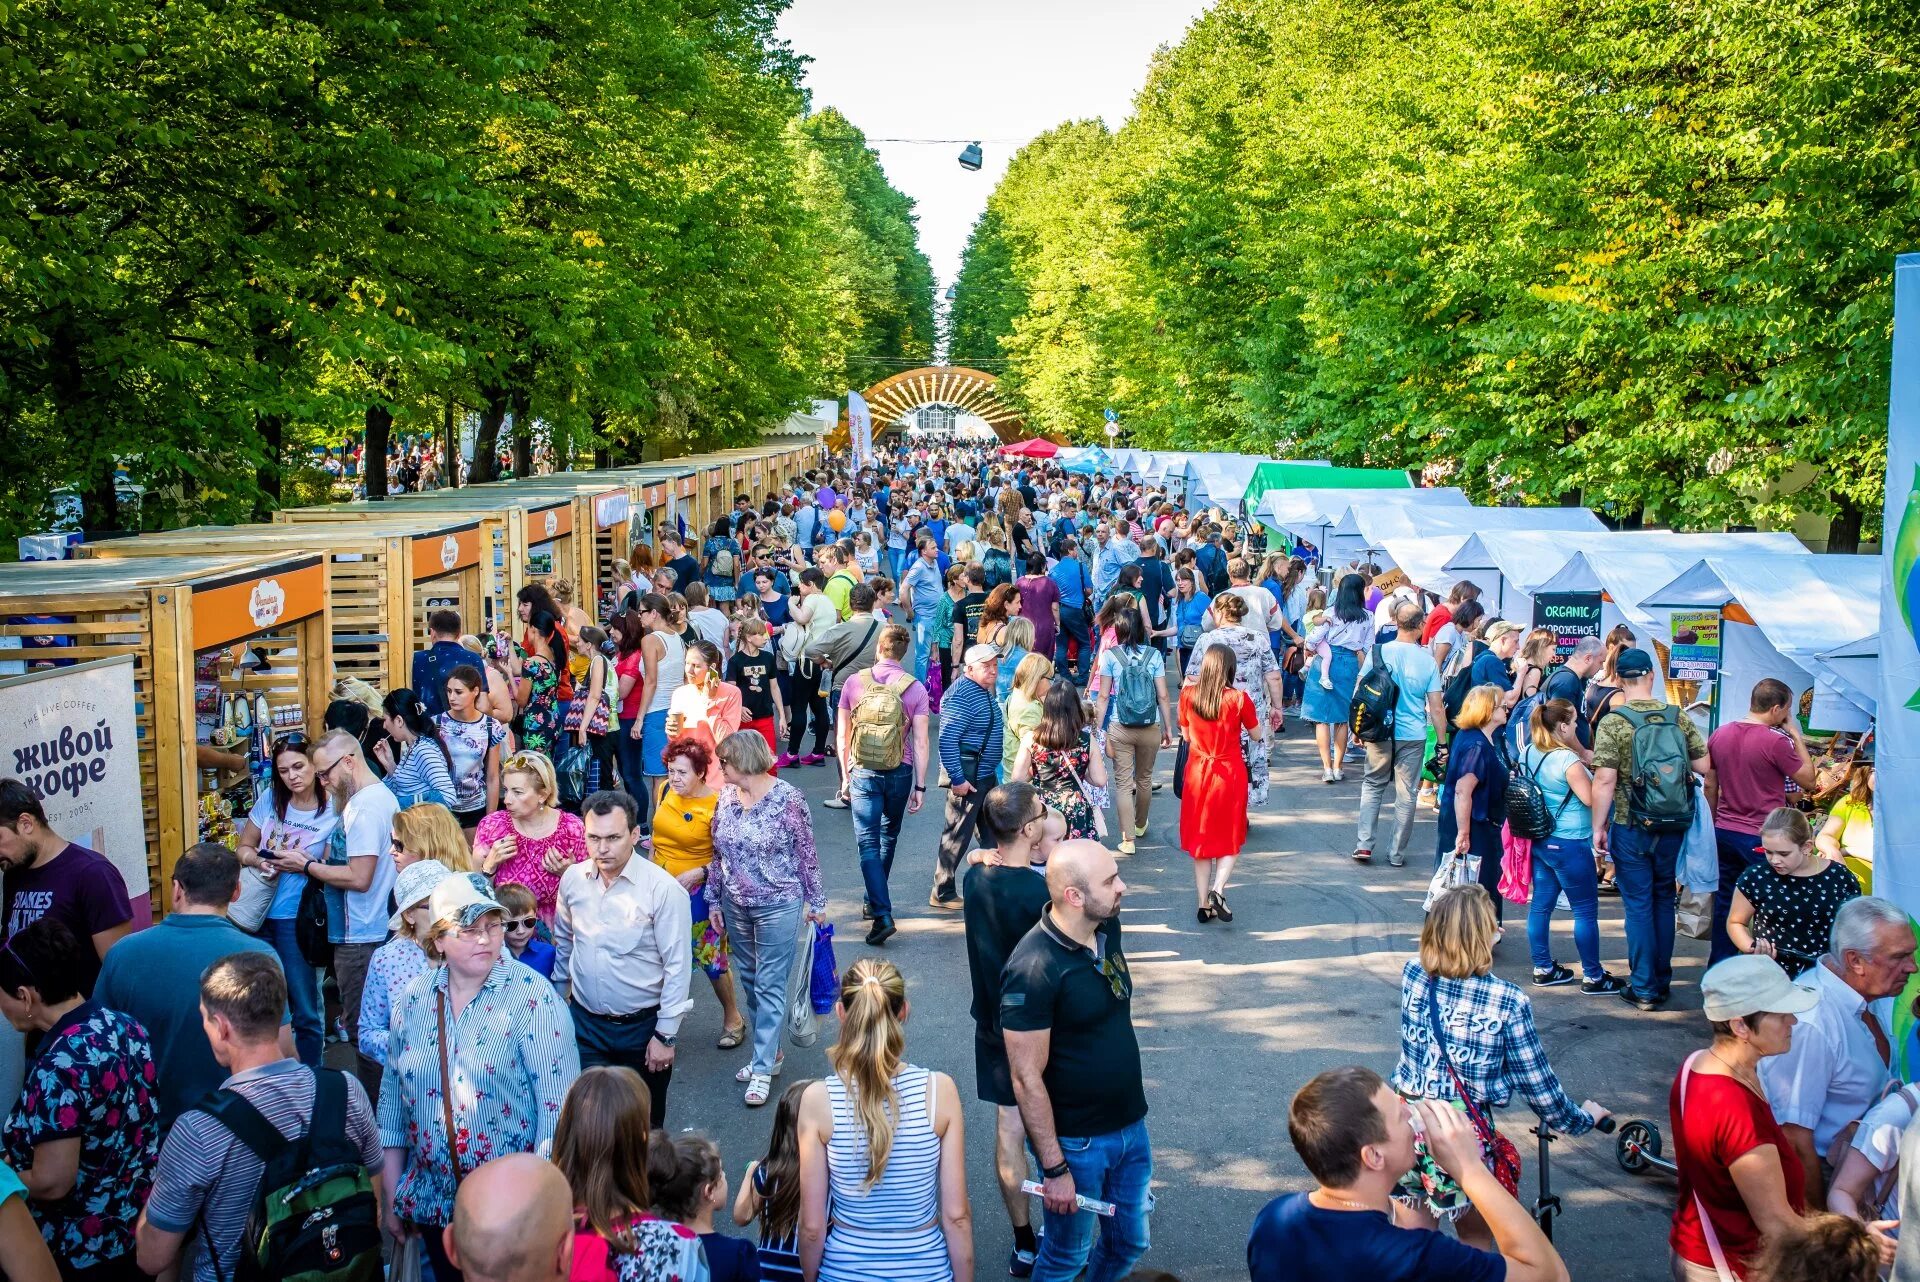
{"x":513,"y":1222}
{"x":1083,"y":880}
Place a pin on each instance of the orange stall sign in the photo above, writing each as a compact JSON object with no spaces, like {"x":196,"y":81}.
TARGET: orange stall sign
{"x":227,"y":610}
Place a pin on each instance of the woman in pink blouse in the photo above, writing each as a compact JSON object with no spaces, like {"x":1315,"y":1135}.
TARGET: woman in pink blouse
{"x":529,"y":841}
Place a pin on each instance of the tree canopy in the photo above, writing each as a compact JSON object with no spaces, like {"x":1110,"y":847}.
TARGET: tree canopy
{"x":231,"y":232}
{"x":1637,"y":251}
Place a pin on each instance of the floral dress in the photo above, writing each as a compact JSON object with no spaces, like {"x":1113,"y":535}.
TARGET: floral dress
{"x":1052,"y":772}
{"x":94,"y":1079}
{"x":513,"y":1057}
{"x":540,"y":722}
{"x":1252,"y":661}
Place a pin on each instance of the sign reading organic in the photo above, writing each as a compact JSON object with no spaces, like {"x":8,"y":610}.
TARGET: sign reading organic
{"x":1569,"y":615}
{"x":1696,"y":645}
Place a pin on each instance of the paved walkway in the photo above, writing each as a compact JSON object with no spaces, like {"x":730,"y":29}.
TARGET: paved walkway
{"x":1233,"y":1018}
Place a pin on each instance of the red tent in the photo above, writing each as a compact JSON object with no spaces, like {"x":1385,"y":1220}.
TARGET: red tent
{"x":1033,"y":447}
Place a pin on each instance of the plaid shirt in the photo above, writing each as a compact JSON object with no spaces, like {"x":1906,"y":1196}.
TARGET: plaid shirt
{"x":1491,"y":1041}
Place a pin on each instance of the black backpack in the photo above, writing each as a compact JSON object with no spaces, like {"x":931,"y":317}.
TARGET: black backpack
{"x":1454,"y":693}
{"x":315,"y":1217}
{"x":1374,"y":698}
{"x":1527,"y":812}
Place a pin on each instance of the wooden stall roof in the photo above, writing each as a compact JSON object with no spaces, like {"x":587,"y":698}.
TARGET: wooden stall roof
{"x":54,"y":579}
{"x":282,"y":535}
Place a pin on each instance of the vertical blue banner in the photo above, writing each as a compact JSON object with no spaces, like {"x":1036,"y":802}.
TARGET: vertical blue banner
{"x":1896,"y":820}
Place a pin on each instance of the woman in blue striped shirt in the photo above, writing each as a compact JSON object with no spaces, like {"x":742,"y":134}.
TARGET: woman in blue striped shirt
{"x":421,"y":772}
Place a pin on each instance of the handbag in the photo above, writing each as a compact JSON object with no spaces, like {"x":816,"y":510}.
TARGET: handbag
{"x":1719,"y":1256}
{"x":824,"y":975}
{"x":1180,"y":770}
{"x":1503,"y":1159}
{"x":570,"y":769}
{"x":1093,"y":801}
{"x":1455,"y":869}
{"x":803,"y":1027}
{"x":310,"y":931}
{"x":249,"y":911}
{"x":602,"y":719}
{"x":1516,"y":867}
{"x":1693,"y":913}
{"x":408,"y":1256}
{"x":446,"y":1093}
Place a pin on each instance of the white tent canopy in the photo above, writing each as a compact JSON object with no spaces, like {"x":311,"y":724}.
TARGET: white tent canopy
{"x":1220,"y":480}
{"x":1800,"y":607}
{"x":1420,"y":540}
{"x":1311,"y":514}
{"x":1509,"y":566}
{"x":1852,"y":672}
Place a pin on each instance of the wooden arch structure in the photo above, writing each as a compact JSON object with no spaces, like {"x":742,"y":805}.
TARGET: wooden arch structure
{"x":970,"y":391}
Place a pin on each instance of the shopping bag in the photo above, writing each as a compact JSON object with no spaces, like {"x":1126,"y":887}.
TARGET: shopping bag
{"x":803,"y":1029}
{"x":1455,"y":869}
{"x":249,"y":910}
{"x":571,"y":768}
{"x":1700,"y":852}
{"x":409,"y":1253}
{"x":1516,"y":867}
{"x":1693,"y":913}
{"x":825,"y":975}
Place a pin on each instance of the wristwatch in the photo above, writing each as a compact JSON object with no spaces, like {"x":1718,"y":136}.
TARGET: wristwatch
{"x":919,"y":787}
{"x":1056,"y":1171}
{"x":666,"y":1040}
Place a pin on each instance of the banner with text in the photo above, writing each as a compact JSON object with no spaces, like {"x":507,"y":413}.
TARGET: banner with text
{"x":1896,"y":820}
{"x":859,"y":429}
{"x":1569,"y":616}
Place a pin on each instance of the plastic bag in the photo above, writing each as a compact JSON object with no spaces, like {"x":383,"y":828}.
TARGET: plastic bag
{"x":826,"y":976}
{"x":1455,"y":869}
{"x":1700,"y":852}
{"x":803,"y":1029}
{"x":409,"y":1254}
{"x":571,"y":768}
{"x":1516,"y":867}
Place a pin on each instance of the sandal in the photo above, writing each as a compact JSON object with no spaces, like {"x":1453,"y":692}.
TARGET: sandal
{"x":746,"y":1073}
{"x":732,"y":1037}
{"x":758,"y":1089}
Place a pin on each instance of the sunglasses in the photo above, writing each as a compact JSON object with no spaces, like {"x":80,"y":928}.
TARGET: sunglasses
{"x":1118,"y":977}
{"x":522,"y":923}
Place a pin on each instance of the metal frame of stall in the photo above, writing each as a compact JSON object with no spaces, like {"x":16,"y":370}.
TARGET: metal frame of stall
{"x":201,"y":630}
{"x":382,"y":578}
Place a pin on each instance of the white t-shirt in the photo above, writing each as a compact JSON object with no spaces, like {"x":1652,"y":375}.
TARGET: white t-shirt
{"x":1878,"y":1139}
{"x":308,"y":829}
{"x":1263,"y":612}
{"x":366,"y":828}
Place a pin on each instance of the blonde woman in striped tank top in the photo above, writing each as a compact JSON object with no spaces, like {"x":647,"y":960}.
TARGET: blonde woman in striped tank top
{"x":883,"y":1182}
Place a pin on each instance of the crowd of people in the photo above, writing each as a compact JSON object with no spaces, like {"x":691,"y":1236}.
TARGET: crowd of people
{"x":495,"y":886}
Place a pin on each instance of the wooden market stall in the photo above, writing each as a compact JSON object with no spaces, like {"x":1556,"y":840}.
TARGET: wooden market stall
{"x":383,"y":577}
{"x":228,"y":652}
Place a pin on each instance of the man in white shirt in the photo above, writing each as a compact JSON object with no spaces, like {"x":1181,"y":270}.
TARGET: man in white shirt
{"x":1396,"y":762}
{"x":358,"y":874}
{"x":1263,"y":612}
{"x":623,"y":945}
{"x":1838,"y":1065}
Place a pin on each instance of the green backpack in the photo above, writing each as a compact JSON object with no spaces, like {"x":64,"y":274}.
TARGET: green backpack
{"x":1660,"y":787}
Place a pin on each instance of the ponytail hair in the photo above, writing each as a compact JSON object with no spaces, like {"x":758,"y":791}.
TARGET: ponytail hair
{"x":873,"y":1000}
{"x":1548,"y":715}
{"x":406,"y":705}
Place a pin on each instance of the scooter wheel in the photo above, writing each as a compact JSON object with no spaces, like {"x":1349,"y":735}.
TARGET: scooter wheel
{"x":1635,"y":1143}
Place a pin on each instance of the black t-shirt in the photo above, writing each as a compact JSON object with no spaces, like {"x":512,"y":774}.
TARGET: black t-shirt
{"x":686,"y":570}
{"x":1002,"y":906}
{"x":1093,"y":1064}
{"x":752,"y":675}
{"x":968,"y":610}
{"x":1564,"y":683}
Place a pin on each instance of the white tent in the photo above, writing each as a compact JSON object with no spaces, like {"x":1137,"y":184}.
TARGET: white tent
{"x":1311,"y":514}
{"x":1625,"y":579}
{"x":1220,"y":480}
{"x":1164,"y":465}
{"x":1421,"y":540}
{"x":1778,"y":614}
{"x":1851,"y":672}
{"x":1508,"y":566}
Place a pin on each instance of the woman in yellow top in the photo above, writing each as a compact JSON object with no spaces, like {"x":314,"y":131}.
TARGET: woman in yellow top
{"x":1022,"y":713}
{"x":1847,"y":835}
{"x":683,"y":845}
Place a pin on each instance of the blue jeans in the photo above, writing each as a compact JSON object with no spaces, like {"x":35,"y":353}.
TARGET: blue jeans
{"x":1737,"y":850}
{"x":1073,"y":626}
{"x":303,"y":991}
{"x":879,"y":804}
{"x":1644,"y":865}
{"x":764,"y":941}
{"x":1117,"y":1168}
{"x":922,"y":647}
{"x":1565,"y":864}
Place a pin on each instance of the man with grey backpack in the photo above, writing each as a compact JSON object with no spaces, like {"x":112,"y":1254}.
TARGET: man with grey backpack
{"x":883,"y":743}
{"x":1646,"y":753}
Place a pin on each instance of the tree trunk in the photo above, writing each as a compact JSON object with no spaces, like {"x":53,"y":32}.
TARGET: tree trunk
{"x":522,"y":431}
{"x":486,"y":442}
{"x":1843,"y":535}
{"x":373,"y":459}
{"x":602,"y":455}
{"x":272,"y":429}
{"x":449,"y":447}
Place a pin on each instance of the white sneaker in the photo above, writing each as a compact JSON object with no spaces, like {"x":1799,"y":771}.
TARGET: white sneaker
{"x":1326,"y":775}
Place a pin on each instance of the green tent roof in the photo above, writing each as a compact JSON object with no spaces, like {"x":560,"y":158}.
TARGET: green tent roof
{"x":1312,"y":476}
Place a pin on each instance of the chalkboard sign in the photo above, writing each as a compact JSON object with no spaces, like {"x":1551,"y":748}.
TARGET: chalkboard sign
{"x":1570,"y":616}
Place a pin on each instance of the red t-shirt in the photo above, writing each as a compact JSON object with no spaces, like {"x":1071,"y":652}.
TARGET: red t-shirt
{"x":630,"y":666}
{"x":1752,"y":763}
{"x":1723,"y":1120}
{"x":1441,"y":616}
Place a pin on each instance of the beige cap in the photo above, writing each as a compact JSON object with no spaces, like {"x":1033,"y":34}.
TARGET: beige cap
{"x":1752,"y":985}
{"x":980,"y":654}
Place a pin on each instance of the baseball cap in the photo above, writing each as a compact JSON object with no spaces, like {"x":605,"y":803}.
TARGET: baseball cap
{"x":980,"y":654}
{"x":1749,"y":984}
{"x":1633,"y":662}
{"x":460,"y":899}
{"x":413,"y":887}
{"x":1500,"y":627}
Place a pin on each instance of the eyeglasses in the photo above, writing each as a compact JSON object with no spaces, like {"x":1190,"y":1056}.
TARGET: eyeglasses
{"x":522,"y":923}
{"x":321,"y":772}
{"x":482,"y":930}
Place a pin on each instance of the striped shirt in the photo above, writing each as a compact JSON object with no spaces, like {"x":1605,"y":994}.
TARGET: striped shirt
{"x":422,"y":775}
{"x":891,"y":1230}
{"x":206,"y":1175}
{"x":970,"y":721}
{"x":779,"y":1256}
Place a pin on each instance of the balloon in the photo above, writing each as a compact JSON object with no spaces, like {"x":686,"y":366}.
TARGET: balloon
{"x":826,"y":497}
{"x":836,"y":520}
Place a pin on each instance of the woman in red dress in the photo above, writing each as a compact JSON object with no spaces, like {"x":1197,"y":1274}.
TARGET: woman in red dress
{"x":1213,"y":802}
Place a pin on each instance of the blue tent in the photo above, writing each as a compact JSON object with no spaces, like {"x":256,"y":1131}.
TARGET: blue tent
{"x":1088,"y":462}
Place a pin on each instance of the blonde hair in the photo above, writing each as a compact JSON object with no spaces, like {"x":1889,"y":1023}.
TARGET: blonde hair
{"x":430,"y":830}
{"x":746,"y":752}
{"x":561,"y":590}
{"x":1216,"y":675}
{"x":873,"y":998}
{"x":1232,"y":609}
{"x":1031,"y":677}
{"x":354,"y":690}
{"x":536,"y":765}
{"x":1456,"y":941}
{"x":754,"y":625}
{"x":1476,"y":709}
{"x":1547,"y":715}
{"x":964,"y":553}
{"x":1017,"y":630}
{"x":1539,"y":647}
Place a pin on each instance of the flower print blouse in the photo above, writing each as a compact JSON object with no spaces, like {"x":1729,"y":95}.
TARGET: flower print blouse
{"x":93,"y":1079}
{"x":395,"y":965}
{"x":528,"y":867}
{"x":540,"y":723}
{"x":513,"y":1057}
{"x":766,"y":853}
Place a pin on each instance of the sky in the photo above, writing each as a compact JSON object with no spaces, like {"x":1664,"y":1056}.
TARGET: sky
{"x":1001,"y":71}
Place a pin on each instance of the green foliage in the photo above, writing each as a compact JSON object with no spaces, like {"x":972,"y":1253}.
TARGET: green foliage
{"x":1640,"y":250}
{"x":231,"y":232}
